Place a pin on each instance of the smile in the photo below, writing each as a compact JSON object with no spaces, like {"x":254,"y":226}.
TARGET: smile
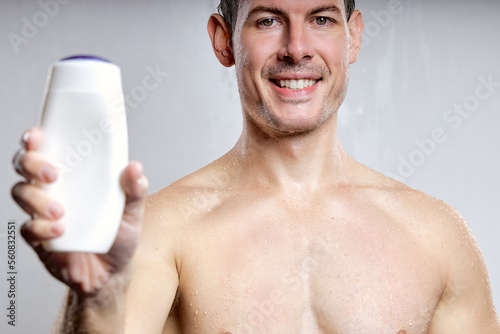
{"x":295,"y":84}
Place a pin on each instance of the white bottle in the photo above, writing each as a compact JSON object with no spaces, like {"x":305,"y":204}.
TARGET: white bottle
{"x":85,"y":136}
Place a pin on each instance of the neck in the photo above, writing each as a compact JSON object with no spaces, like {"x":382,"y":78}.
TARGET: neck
{"x":299,"y":163}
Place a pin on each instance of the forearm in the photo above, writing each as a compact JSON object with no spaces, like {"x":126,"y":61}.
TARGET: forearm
{"x":102,"y":312}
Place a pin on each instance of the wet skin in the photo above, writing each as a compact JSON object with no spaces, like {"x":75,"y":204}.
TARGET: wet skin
{"x":258,"y":261}
{"x":362,"y":255}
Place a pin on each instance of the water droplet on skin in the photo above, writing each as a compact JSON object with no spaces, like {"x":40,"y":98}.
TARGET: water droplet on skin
{"x":190,"y":304}
{"x":196,"y":293}
{"x":206,"y":312}
{"x":196,"y":312}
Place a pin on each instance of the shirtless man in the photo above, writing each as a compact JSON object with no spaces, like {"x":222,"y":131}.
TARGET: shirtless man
{"x":285,"y":233}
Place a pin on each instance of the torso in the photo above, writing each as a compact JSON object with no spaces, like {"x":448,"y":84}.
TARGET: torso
{"x":350,"y":260}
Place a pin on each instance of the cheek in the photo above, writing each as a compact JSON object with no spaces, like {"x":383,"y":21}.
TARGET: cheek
{"x":257,"y":49}
{"x":337,"y":56}
{"x":249,"y":61}
{"x":251,"y":57}
{"x":333,"y":49}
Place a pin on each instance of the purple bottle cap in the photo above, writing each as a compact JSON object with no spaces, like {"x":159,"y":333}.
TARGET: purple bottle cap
{"x":86,"y":57}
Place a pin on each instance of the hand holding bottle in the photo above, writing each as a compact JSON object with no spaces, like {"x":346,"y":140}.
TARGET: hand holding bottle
{"x":83,"y":272}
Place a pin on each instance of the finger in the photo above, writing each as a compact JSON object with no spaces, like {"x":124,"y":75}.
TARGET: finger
{"x":35,"y":231}
{"x":32,"y":139}
{"x":34,"y":200}
{"x":98,"y":273}
{"x":17,"y":163}
{"x":32,"y":165}
{"x":87,"y":272}
{"x":135,"y":186}
{"x":77,"y":270}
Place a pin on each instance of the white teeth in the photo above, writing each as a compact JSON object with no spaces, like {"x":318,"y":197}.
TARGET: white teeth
{"x":296,"y":84}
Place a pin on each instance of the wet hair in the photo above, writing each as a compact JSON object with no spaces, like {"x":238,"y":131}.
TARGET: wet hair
{"x":229,"y":10}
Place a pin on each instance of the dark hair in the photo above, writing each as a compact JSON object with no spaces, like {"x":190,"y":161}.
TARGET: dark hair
{"x":229,"y":10}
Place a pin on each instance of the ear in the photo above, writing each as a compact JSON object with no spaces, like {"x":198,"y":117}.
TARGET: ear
{"x":220,"y":35}
{"x":356,"y":26}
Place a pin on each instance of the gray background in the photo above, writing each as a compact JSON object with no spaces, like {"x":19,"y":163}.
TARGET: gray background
{"x":417,"y":63}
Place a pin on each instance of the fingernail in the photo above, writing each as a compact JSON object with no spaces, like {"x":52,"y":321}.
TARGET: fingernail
{"x":17,"y":161}
{"x":49,"y":173}
{"x":143,"y":182}
{"x":25,"y":138}
{"x":57,"y":228}
{"x":65,"y":274}
{"x":55,"y":210}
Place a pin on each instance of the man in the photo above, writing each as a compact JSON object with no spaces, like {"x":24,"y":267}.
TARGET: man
{"x":283,"y":234}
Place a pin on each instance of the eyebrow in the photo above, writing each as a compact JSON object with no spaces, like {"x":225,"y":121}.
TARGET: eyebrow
{"x":278,"y":11}
{"x":261,"y":9}
{"x":330,"y":8}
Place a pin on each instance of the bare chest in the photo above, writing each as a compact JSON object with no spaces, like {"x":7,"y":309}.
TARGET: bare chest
{"x":316,"y":274}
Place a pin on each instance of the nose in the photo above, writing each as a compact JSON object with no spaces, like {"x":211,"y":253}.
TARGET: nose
{"x":296,"y":45}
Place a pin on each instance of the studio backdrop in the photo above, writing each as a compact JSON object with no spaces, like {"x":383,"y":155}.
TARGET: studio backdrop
{"x":423,"y":106}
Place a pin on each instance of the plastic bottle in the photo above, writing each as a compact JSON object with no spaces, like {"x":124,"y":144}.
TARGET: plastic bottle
{"x":85,"y":135}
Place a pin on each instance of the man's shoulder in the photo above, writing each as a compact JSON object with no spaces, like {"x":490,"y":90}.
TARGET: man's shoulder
{"x":392,"y":194}
{"x":415,"y":208}
{"x":189,"y":197}
{"x":431,"y":224}
{"x":446,"y":243}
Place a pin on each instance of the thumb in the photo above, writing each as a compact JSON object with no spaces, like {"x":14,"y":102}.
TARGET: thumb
{"x":135,"y":185}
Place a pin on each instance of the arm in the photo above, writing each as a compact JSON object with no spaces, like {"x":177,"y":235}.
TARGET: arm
{"x":99,"y":313}
{"x":155,"y":278}
{"x":109,"y":293}
{"x":466,"y":305}
{"x":98,"y":282}
{"x":134,"y":302}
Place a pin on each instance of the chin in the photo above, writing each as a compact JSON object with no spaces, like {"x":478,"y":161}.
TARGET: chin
{"x":287,"y":128}
{"x":286,"y":125}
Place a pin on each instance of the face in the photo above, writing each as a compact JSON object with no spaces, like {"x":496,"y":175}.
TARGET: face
{"x":292,"y":59}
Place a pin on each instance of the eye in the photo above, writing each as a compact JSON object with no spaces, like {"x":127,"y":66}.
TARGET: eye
{"x":268,"y":22}
{"x":323,"y":21}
